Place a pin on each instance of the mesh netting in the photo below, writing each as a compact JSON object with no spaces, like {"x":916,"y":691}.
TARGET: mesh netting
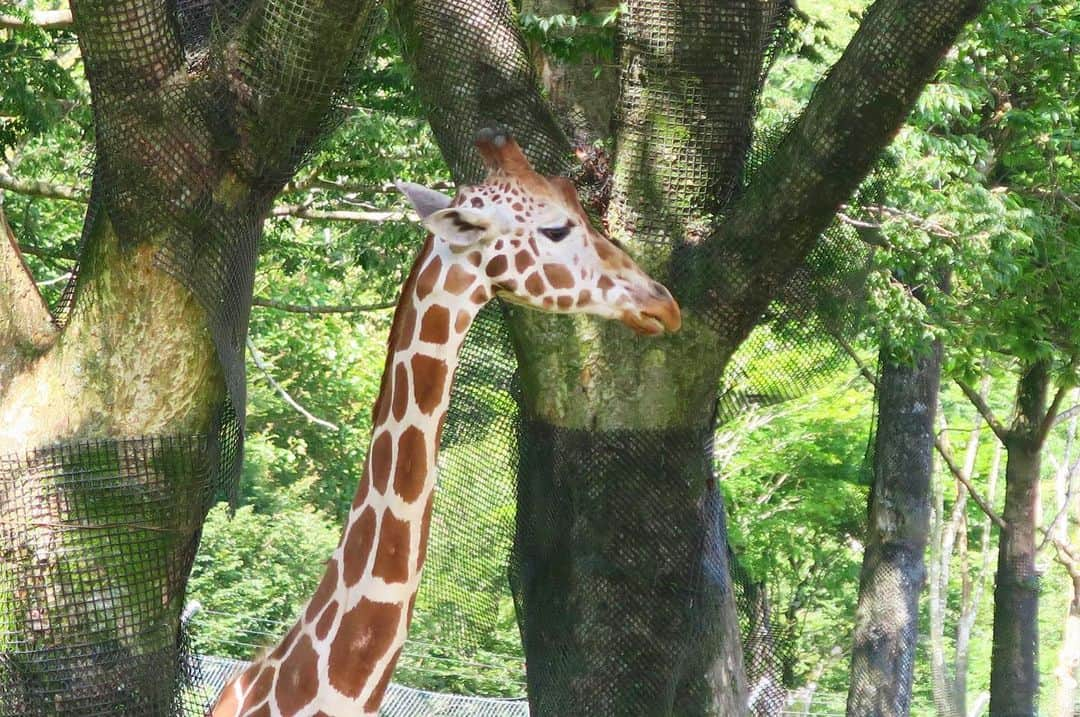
{"x":203,"y":110}
{"x":629,"y":601}
{"x":93,"y":536}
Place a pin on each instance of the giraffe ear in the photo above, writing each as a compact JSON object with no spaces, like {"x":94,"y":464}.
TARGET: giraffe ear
{"x":461,"y":226}
{"x":425,"y":201}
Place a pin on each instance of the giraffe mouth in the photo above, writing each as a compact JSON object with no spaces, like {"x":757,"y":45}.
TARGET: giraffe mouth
{"x":649,"y":324}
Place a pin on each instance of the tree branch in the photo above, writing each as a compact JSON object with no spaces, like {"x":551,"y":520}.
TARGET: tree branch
{"x":127,"y":47}
{"x":850,"y":351}
{"x":1048,"y":420}
{"x":339,"y":309}
{"x":302,"y":211}
{"x":36,"y":188}
{"x":26,"y":326}
{"x":984,"y":409}
{"x":958,"y":473}
{"x":41,"y":19}
{"x":1067,"y":414}
{"x":834,"y":144}
{"x":287,"y":68}
{"x":260,"y":364}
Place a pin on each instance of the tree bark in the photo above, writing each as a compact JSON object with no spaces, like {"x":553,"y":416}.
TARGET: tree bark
{"x":893,"y":570}
{"x":1014,"y":676}
{"x":26,"y":327}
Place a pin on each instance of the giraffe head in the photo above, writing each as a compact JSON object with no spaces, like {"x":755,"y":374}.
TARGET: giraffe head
{"x":536,"y":246}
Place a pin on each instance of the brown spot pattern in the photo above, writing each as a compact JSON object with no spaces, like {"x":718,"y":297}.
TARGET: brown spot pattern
{"x":412,"y":465}
{"x":584,"y":297}
{"x":559,"y":276}
{"x":534,"y":284}
{"x":382,"y":456}
{"x":392,"y":552}
{"x":497,"y":266}
{"x":479,"y":295}
{"x":522,"y":261}
{"x":408,"y":326}
{"x":605,"y":283}
{"x":357,"y":549}
{"x":326,"y":621}
{"x":298,"y":678}
{"x":425,"y":530}
{"x":261,"y":690}
{"x":458,"y":279}
{"x":324,"y":592}
{"x":365,"y":634}
{"x":283,"y":647}
{"x":429,"y":383}
{"x":462,"y":322}
{"x":425,"y":283}
{"x":401,"y":391}
{"x":376,"y":696}
{"x":435,"y":326}
{"x":565,"y":302}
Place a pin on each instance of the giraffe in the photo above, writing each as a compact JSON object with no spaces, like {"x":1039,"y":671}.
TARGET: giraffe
{"x":519,"y":236}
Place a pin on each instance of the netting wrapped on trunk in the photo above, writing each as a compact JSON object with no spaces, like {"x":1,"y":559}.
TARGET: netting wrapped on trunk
{"x":629,"y":601}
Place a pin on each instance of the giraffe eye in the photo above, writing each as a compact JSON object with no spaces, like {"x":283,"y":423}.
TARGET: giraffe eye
{"x":557,"y":233}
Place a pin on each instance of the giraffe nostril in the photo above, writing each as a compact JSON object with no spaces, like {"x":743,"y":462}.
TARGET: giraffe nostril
{"x":659,"y":291}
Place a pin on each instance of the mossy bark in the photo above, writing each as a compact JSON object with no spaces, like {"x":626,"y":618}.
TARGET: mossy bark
{"x":97,"y":532}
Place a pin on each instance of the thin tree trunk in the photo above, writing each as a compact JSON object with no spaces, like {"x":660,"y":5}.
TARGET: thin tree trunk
{"x":949,"y":537}
{"x":894,"y":571}
{"x":1014,"y":679}
{"x":1067,"y":669}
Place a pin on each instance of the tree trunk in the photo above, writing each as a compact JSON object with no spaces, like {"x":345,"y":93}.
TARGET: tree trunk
{"x":1014,"y":678}
{"x":1069,"y":656}
{"x":113,"y":432}
{"x":610,"y":417}
{"x":893,"y":570}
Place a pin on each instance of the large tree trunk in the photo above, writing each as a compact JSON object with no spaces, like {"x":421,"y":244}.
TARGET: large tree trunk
{"x":113,"y":432}
{"x":1014,"y":678}
{"x":621,"y":570}
{"x":893,"y":570}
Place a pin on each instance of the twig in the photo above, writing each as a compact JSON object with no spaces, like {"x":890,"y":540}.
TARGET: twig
{"x":301,"y":211}
{"x":863,"y":368}
{"x":55,"y":280}
{"x":1048,"y":421}
{"x":257,"y":359}
{"x":996,"y":426}
{"x":47,"y":253}
{"x":340,"y":309}
{"x":48,"y":190}
{"x":930,"y":227}
{"x":36,"y":188}
{"x":1067,"y":414}
{"x":41,"y":19}
{"x":958,"y":473}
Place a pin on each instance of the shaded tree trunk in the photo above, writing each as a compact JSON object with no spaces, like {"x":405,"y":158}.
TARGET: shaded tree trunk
{"x":894,"y":570}
{"x":1014,"y":679}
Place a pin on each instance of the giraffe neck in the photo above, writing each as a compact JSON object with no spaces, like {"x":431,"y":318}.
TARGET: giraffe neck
{"x":339,"y":656}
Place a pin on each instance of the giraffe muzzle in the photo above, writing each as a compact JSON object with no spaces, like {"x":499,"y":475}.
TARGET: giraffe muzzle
{"x":654,"y":317}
